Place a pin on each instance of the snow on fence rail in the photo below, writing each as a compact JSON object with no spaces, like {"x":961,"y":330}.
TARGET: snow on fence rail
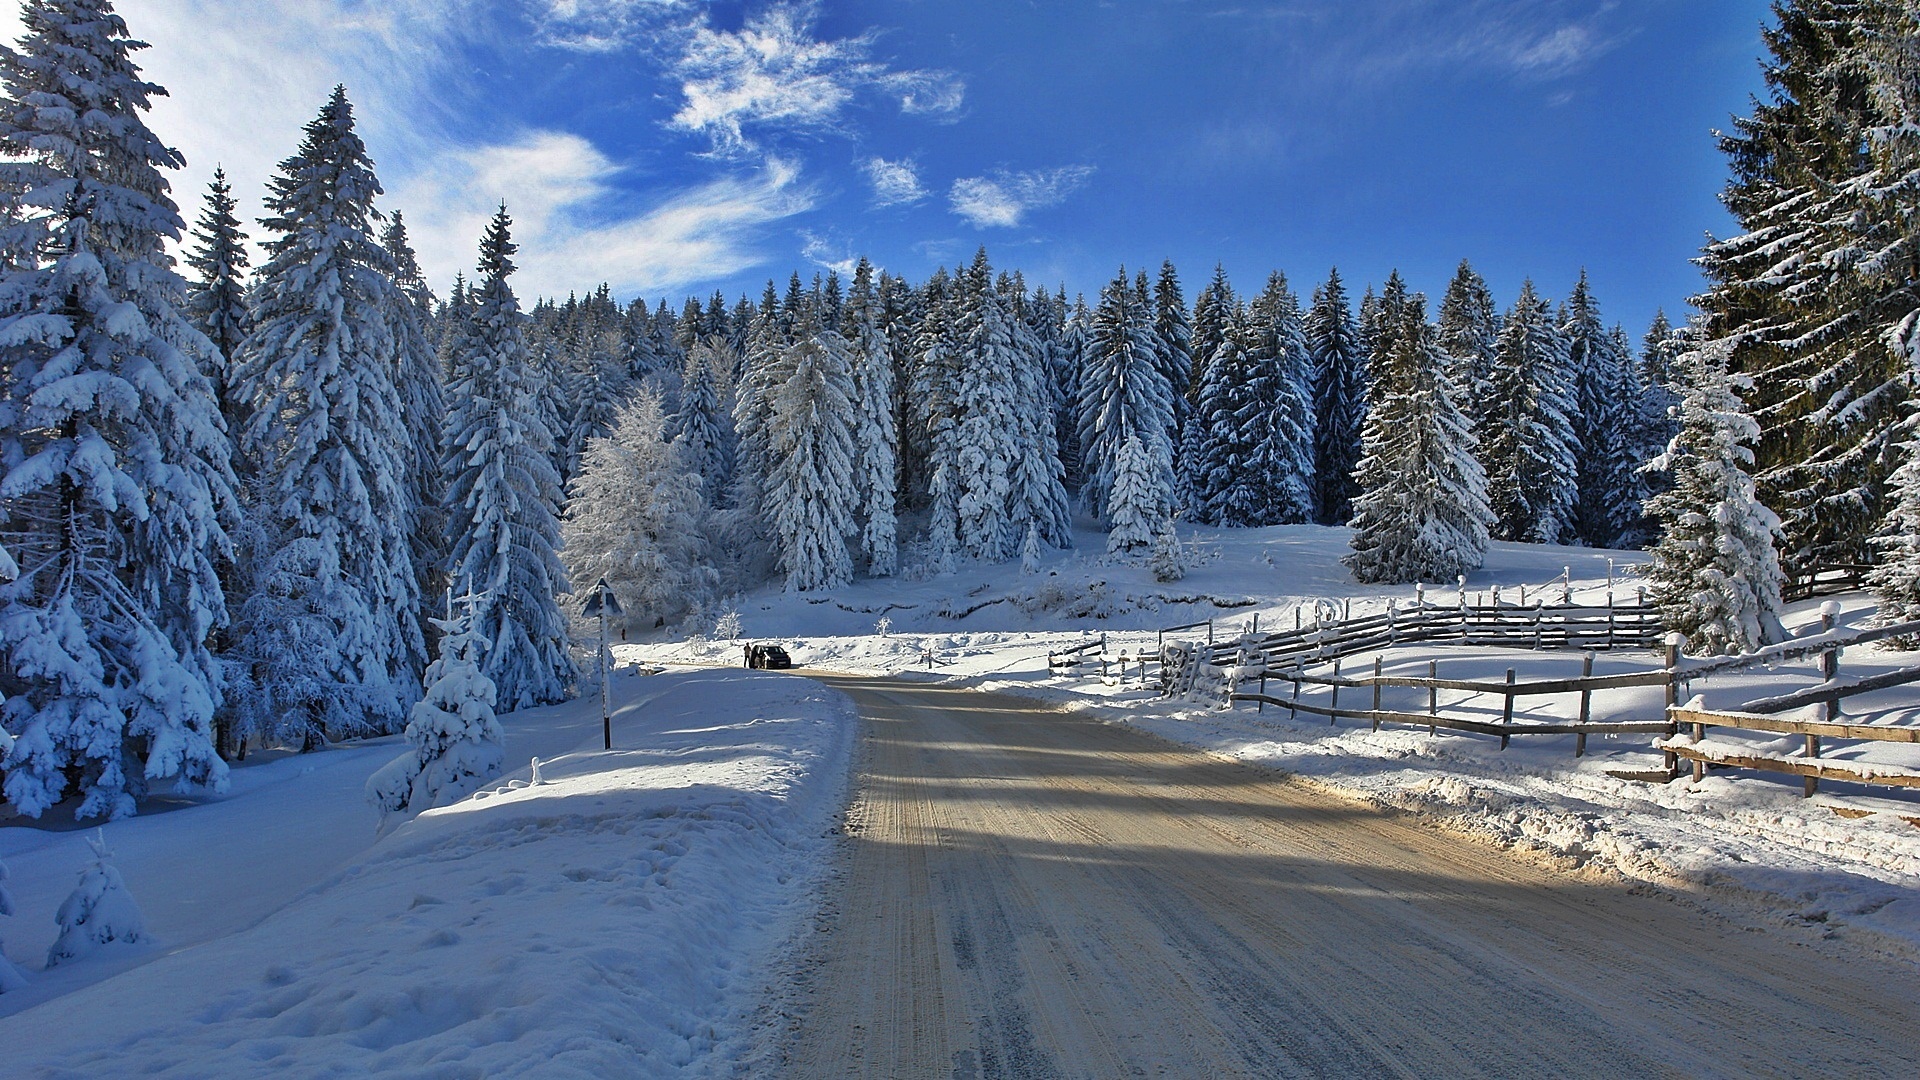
{"x":1761,"y":714}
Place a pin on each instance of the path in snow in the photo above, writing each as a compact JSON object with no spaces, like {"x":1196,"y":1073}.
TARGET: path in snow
{"x":1037,"y":894}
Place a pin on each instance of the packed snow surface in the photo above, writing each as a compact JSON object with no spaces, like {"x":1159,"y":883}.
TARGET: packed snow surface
{"x":618,"y":919}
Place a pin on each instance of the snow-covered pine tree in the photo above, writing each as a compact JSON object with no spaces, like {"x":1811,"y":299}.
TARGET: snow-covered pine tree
{"x":1166,"y":563}
{"x":1076,"y":338}
{"x":1715,"y":572}
{"x":422,"y":405}
{"x":217,"y":296}
{"x":1224,"y":484}
{"x":1138,"y":504}
{"x":1339,"y":399}
{"x":876,"y":439}
{"x":1176,"y":343}
{"x":700,"y":431}
{"x":454,"y":742}
{"x":1600,"y":384}
{"x":114,"y":474}
{"x":934,"y":392}
{"x":1820,"y":275}
{"x":1422,"y":513}
{"x":1277,"y":418}
{"x":812,"y":495}
{"x":503,"y":495}
{"x":638,"y":519}
{"x":1526,"y":436}
{"x":1039,"y":494}
{"x":598,"y":383}
{"x":1124,"y":394}
{"x":98,"y":911}
{"x":986,"y":420}
{"x":1652,"y":419}
{"x":328,"y":637}
{"x":1469,"y":332}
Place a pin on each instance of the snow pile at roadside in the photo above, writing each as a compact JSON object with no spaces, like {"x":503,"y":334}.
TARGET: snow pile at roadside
{"x":1744,"y":836}
{"x":618,"y":919}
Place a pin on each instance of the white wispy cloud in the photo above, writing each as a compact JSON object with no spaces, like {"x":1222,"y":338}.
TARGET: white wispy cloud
{"x":559,"y":189}
{"x":894,"y":182}
{"x":828,"y":254}
{"x":1003,"y":198}
{"x":775,"y":73}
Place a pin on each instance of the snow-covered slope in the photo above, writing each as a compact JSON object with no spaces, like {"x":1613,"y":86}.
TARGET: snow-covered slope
{"x":618,"y":919}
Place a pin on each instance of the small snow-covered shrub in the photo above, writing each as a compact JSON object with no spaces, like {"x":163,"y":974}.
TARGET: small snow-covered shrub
{"x":883,"y":626}
{"x":727,"y":626}
{"x":98,"y":911}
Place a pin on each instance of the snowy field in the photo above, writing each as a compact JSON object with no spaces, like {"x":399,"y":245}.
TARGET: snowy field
{"x":1746,"y":838}
{"x":618,"y":919}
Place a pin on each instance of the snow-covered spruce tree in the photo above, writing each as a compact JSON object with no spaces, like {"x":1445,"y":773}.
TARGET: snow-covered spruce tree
{"x":1715,"y":572}
{"x":1224,"y":486}
{"x":503,"y":496}
{"x":934,"y":392}
{"x":1278,"y":417}
{"x":876,"y":439}
{"x":1339,"y":399}
{"x":1124,"y":394}
{"x":1039,"y":494}
{"x":1651,"y":422}
{"x":638,"y":519}
{"x":1469,"y":332}
{"x":1526,"y":436}
{"x":749,"y":547}
{"x":454,"y":742}
{"x":1138,"y":504}
{"x":114,"y":476}
{"x":1176,"y":343}
{"x":700,"y":431}
{"x":1076,"y":338}
{"x":1166,"y":563}
{"x":422,"y":405}
{"x":1600,"y":393}
{"x":1819,"y":275}
{"x":1422,"y":513}
{"x":987,"y":422}
{"x":217,"y":296}
{"x":811,"y":492}
{"x":329,"y":638}
{"x":597,"y":378}
{"x":98,"y":911}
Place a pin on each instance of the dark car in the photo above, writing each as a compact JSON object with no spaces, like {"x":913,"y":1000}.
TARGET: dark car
{"x":768,"y":657}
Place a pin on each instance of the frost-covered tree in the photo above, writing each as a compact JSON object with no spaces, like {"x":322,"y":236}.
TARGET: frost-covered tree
{"x":987,"y":421}
{"x":1339,"y":399}
{"x":876,"y":439}
{"x":217,"y":294}
{"x":1715,"y":572}
{"x":422,"y":404}
{"x":454,"y":743}
{"x":1422,"y":513}
{"x":329,"y":637}
{"x":1176,"y":343}
{"x":1526,"y":434}
{"x":1277,"y":420}
{"x":700,"y":430}
{"x":1138,"y":505}
{"x":98,"y":911}
{"x":1600,"y":398}
{"x":1469,"y":332}
{"x":503,"y":524}
{"x":934,"y":390}
{"x":812,"y":496}
{"x":1038,"y":493}
{"x":114,"y":477}
{"x":1124,"y":395}
{"x":638,"y":519}
{"x":1224,"y":485}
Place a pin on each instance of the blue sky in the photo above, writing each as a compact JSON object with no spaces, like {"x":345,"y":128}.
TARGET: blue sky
{"x":674,"y":147}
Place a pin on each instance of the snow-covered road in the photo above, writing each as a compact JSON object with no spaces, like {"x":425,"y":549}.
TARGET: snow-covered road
{"x":1038,"y":894}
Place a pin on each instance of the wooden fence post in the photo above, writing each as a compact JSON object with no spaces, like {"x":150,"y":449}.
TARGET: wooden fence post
{"x":1261,"y":706}
{"x":1586,"y":706}
{"x":1673,"y":692}
{"x":1506,"y":714}
{"x":1299,"y":669}
{"x":1463,"y":609}
{"x":1829,"y":670}
{"x":1376,"y":693}
{"x":1336,"y":691}
{"x":1433,"y":692}
{"x":1539,"y":614}
{"x":1566,"y":585}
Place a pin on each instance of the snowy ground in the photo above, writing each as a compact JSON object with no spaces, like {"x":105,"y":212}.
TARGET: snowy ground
{"x":621,"y":918}
{"x":1747,"y":837}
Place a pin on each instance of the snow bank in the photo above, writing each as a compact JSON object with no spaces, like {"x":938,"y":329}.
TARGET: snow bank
{"x":618,"y":919}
